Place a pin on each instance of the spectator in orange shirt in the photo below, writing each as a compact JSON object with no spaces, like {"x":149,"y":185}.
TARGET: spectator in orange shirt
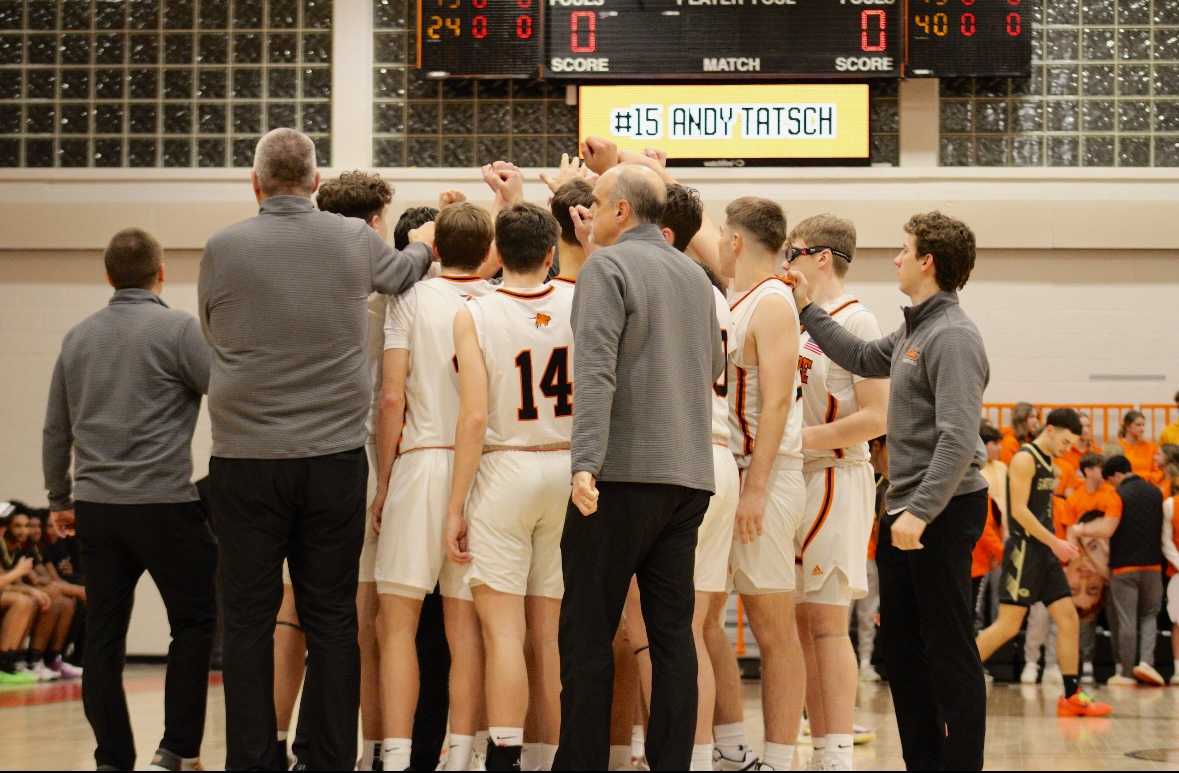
{"x":1167,"y":460}
{"x":1084,"y":446}
{"x":1132,"y":444}
{"x":1025,"y":425}
{"x":1089,"y":573}
{"x":1170,"y":433}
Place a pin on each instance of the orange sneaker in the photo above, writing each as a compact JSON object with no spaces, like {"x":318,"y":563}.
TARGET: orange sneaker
{"x":1081,"y":705}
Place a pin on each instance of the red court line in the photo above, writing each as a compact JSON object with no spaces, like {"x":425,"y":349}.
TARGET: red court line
{"x":62,"y":692}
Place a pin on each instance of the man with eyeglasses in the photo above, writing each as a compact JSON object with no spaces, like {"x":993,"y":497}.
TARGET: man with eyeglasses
{"x":841,"y":412}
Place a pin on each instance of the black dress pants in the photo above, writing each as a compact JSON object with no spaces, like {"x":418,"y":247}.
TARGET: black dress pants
{"x":310,"y":511}
{"x":433,"y":709}
{"x":173,"y":544}
{"x":650,"y":530}
{"x":927,"y":639}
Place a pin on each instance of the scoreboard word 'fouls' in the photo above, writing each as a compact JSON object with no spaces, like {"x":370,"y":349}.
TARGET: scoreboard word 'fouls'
{"x":706,"y":122}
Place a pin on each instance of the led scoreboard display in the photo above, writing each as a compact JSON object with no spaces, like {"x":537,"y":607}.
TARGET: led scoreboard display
{"x":726,"y":38}
{"x":601,"y":40}
{"x":500,"y":38}
{"x":958,"y":38}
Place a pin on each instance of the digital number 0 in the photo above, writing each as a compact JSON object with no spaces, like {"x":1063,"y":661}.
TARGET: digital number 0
{"x":524,"y":26}
{"x":591,"y":30}
{"x":969,"y":27}
{"x":1014,"y":24}
{"x":881,"y":21}
{"x":479,"y":27}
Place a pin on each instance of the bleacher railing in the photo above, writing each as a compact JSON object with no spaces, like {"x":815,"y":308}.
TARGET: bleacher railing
{"x":1106,"y":417}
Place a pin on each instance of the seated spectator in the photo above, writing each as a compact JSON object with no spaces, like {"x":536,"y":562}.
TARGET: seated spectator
{"x":17,"y":607}
{"x":53,"y":620}
{"x":1132,"y":444}
{"x":63,"y":563}
{"x":1025,"y":425}
{"x":1170,"y":433}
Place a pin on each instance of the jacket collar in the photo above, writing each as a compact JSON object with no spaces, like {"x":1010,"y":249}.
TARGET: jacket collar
{"x":282,"y":204}
{"x":134,"y":295}
{"x":915,"y":315}
{"x":647,"y":232}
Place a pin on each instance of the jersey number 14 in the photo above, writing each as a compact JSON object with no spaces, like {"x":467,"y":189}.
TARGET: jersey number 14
{"x":554,"y":384}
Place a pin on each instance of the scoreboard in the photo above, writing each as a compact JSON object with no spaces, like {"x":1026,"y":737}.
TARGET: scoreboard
{"x":709,"y":38}
{"x":603,"y":40}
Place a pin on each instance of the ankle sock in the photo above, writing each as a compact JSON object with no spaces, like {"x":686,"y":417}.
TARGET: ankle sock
{"x":1072,"y":685}
{"x":370,"y":752}
{"x":548,"y":752}
{"x":818,"y":751}
{"x":458,"y":753}
{"x":530,"y":757}
{"x":282,"y":735}
{"x":32,"y":656}
{"x":619,"y":757}
{"x":395,"y":754}
{"x":730,"y":740}
{"x":8,"y":662}
{"x":778,"y":756}
{"x":701,"y":757}
{"x":838,"y":750}
{"x":506,"y":736}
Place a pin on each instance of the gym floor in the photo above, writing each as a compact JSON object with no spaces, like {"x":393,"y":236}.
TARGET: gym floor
{"x":44,"y":727}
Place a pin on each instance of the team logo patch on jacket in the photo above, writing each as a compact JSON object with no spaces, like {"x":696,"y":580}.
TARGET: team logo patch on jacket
{"x":542,"y":320}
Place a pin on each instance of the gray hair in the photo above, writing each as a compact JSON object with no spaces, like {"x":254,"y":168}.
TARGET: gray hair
{"x":643,"y":190}
{"x":284,"y":162}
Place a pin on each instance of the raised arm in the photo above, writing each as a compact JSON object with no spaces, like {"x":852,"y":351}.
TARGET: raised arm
{"x":469,"y":432}
{"x":956,"y":364}
{"x":395,"y":271}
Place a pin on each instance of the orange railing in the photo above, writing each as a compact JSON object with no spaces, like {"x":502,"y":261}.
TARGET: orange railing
{"x":1106,"y":417}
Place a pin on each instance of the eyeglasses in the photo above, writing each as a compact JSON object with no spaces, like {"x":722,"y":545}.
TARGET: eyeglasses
{"x":794,"y":253}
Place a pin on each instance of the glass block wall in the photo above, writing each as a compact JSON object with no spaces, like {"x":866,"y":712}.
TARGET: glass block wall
{"x":173,"y":83}
{"x":1104,"y":92}
{"x":462,"y":123}
{"x":884,"y":122}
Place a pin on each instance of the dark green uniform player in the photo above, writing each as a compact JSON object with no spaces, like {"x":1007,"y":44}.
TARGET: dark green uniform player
{"x":1031,"y":571}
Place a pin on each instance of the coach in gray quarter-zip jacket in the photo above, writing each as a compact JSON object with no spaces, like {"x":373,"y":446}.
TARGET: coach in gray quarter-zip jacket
{"x":937,"y":501}
{"x":283,"y":301}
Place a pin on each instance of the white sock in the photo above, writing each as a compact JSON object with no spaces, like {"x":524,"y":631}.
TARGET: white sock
{"x":619,"y":757}
{"x":548,"y":752}
{"x":395,"y":753}
{"x":638,"y":742}
{"x":701,"y":756}
{"x":282,"y":735}
{"x":458,"y":752}
{"x":507,"y":736}
{"x":1176,"y":666}
{"x":730,"y":740}
{"x":481,"y":741}
{"x":819,"y":747}
{"x":839,"y":750}
{"x":778,"y":756}
{"x":530,"y":756}
{"x":370,"y":751}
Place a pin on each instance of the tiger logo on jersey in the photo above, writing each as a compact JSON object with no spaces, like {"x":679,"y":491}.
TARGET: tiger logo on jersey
{"x":542,"y":320}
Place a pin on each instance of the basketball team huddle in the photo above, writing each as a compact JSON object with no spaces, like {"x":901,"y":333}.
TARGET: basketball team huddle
{"x":474,"y":397}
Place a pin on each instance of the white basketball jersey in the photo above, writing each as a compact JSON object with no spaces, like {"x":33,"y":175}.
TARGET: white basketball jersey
{"x":422,"y":321}
{"x":744,"y":391}
{"x":527,"y":344}
{"x":828,"y":391}
{"x":378,"y":306}
{"x":720,"y":390}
